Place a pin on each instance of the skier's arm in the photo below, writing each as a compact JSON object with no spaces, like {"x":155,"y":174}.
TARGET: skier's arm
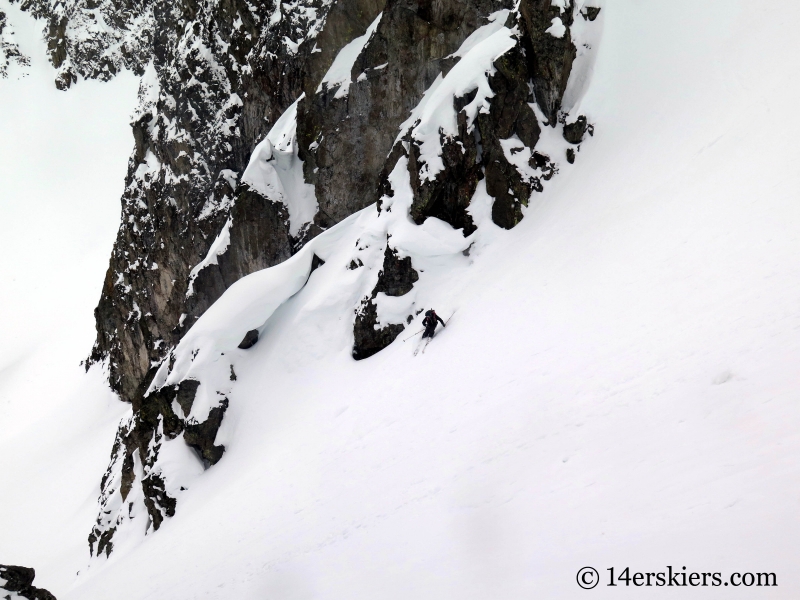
{"x":440,"y":320}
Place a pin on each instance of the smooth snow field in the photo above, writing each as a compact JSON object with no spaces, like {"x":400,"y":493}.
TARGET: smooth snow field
{"x":618,"y":387}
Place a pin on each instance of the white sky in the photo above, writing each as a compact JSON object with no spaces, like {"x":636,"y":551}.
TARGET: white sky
{"x":63,"y":158}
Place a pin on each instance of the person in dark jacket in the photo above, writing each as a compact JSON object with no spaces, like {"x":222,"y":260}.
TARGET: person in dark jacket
{"x":429,"y":322}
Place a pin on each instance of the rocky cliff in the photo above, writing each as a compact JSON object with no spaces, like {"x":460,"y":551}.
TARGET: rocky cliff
{"x":262,"y":124}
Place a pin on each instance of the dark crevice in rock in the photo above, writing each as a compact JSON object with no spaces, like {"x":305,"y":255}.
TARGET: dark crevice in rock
{"x":316,"y":263}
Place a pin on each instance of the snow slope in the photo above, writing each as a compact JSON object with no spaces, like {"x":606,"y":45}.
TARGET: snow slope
{"x":618,"y":386}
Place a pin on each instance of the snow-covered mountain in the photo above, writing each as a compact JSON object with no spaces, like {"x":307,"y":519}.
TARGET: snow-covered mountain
{"x":419,"y":105}
{"x":582,"y":190}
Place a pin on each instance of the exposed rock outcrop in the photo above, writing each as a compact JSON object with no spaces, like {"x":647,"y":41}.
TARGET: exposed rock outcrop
{"x":95,"y":39}
{"x":574,"y":132}
{"x":549,"y":50}
{"x":396,"y":278}
{"x":357,"y":128}
{"x":157,"y":417}
{"x":249,"y":340}
{"x":18,"y":581}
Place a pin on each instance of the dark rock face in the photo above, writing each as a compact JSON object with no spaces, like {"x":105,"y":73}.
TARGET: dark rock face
{"x":509,"y":115}
{"x":20,"y":580}
{"x":479,"y":154}
{"x":250,"y":339}
{"x":396,"y":278}
{"x":259,"y":238}
{"x":550,"y":57}
{"x":16,"y":579}
{"x":397,"y":65}
{"x":574,"y":132}
{"x":152,"y":420}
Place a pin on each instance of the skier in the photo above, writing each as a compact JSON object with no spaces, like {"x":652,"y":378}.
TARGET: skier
{"x":430,"y":323}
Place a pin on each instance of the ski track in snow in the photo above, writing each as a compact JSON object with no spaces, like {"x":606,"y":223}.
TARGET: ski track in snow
{"x":620,"y":387}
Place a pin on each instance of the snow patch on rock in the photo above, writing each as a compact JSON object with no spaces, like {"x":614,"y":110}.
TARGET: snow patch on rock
{"x":339,"y":74}
{"x":276,"y":172}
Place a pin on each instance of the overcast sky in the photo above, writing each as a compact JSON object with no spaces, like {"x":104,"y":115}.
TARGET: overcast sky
{"x":63,"y":158}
